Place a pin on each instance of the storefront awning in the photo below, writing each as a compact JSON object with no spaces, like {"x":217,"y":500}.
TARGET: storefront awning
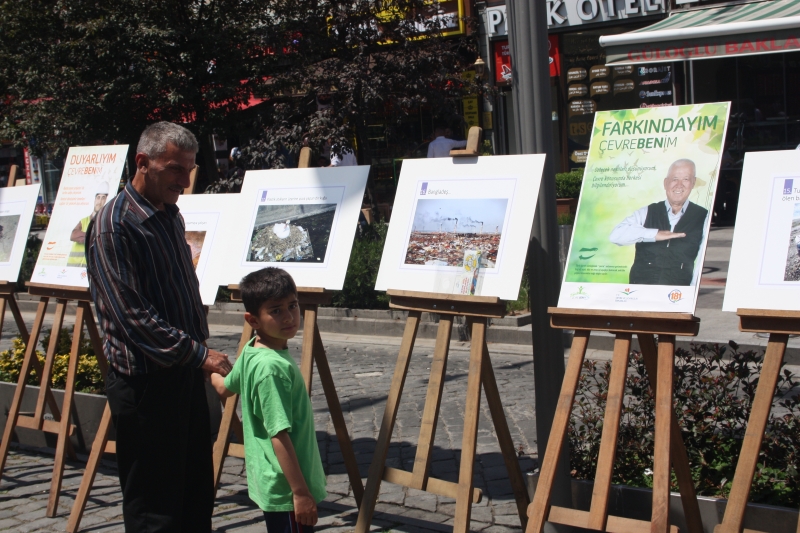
{"x":758,"y":28}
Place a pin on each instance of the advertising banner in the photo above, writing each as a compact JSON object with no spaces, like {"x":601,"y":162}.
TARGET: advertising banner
{"x":644,"y":211}
{"x":461,"y":226}
{"x":207,"y":218}
{"x":764,"y":271}
{"x":17,"y":205}
{"x":302,"y":220}
{"x":90,"y":179}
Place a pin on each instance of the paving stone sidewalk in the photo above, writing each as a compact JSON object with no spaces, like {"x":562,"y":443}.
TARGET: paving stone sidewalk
{"x":362,"y":373}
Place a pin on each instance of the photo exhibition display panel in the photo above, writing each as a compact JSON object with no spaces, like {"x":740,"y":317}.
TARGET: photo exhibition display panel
{"x":17,"y":205}
{"x":461,"y":225}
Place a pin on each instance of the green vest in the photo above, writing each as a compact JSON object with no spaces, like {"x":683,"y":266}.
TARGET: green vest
{"x":77,"y":256}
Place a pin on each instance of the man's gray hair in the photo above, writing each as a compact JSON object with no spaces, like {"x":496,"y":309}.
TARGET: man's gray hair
{"x":680,"y":163}
{"x":156,"y":137}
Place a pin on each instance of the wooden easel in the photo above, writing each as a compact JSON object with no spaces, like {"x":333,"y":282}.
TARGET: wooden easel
{"x":779,"y":325}
{"x":312,"y":351}
{"x":668,"y":441}
{"x":60,"y":425}
{"x":476,"y":309}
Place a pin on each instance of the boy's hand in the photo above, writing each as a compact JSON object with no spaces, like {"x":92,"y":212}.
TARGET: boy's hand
{"x":305,"y":509}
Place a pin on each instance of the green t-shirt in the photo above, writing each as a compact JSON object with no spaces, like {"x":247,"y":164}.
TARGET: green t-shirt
{"x":274,"y":398}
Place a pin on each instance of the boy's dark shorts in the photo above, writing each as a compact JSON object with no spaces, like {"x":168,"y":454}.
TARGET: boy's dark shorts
{"x":285,"y":522}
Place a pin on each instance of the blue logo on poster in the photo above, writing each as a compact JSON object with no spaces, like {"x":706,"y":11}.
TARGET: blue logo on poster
{"x":787,"y":186}
{"x":424,"y":188}
{"x":263,"y":196}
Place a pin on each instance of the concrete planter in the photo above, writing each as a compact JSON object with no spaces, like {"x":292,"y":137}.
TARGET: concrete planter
{"x":636,"y":503}
{"x":86,"y":414}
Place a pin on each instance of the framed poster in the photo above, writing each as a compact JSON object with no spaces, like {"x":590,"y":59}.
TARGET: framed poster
{"x":642,"y":223}
{"x":17,"y":205}
{"x":461,"y":226}
{"x":764,"y":270}
{"x":208,"y":219}
{"x":90,"y":179}
{"x":302,"y":220}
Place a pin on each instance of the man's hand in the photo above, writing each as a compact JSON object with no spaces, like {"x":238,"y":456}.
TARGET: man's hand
{"x":305,"y":509}
{"x":217,"y":362}
{"x":664,"y":235}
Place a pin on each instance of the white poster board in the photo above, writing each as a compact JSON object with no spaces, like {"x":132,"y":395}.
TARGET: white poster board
{"x":208,"y":220}
{"x":17,"y":205}
{"x":302,"y":220}
{"x":461,"y":225}
{"x":764,"y":271}
{"x":89,"y":181}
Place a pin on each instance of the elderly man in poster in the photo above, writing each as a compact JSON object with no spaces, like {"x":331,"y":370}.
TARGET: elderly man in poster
{"x":668,"y":235}
{"x":148,"y":302}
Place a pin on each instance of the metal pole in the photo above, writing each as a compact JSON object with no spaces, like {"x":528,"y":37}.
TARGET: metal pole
{"x":527,"y":37}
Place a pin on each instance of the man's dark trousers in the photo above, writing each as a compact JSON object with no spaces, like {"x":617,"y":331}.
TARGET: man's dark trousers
{"x":164,"y":450}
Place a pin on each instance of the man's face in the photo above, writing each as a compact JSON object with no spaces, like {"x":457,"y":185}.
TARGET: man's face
{"x":679,"y":183}
{"x":167,"y":175}
{"x":99,"y":202}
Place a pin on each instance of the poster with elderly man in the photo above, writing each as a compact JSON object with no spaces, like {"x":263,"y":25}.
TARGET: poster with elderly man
{"x":90,"y":179}
{"x":644,"y":213}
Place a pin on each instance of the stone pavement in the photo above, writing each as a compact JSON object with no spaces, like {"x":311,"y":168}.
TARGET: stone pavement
{"x":362,"y":373}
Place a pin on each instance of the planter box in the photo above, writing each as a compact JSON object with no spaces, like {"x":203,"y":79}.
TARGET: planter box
{"x":86,"y":414}
{"x":566,"y":206}
{"x":636,"y":503}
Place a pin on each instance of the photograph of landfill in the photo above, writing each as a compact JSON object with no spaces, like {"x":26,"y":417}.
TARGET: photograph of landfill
{"x":443,"y":230}
{"x":195,"y":241}
{"x":792,"y":272}
{"x":8,"y":231}
{"x":296,"y":233}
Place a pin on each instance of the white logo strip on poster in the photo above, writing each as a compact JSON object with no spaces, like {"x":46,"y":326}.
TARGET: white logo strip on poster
{"x":90,"y":179}
{"x":461,"y":226}
{"x":302,"y":220}
{"x":643,"y":217}
{"x":17,"y":205}
{"x":764,"y":270}
{"x":208,"y":219}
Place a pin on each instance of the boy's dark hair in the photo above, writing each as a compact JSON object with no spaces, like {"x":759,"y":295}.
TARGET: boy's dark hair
{"x":269,"y":283}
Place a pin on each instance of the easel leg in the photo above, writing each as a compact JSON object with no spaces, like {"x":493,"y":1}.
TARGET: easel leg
{"x":47,"y":372}
{"x":27,"y":364}
{"x":307,"y":351}
{"x":98,"y":448}
{"x":504,"y":438}
{"x":598,"y":514}
{"x":754,"y":436}
{"x":375,"y":475}
{"x":539,"y":509}
{"x":433,"y":401}
{"x":66,"y":411}
{"x":339,"y":425}
{"x":15,"y":312}
{"x":661,"y":457}
{"x":471,"y":416}
{"x":680,"y":459}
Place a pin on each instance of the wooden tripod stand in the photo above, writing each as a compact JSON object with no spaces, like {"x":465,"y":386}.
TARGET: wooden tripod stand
{"x":668,"y":442}
{"x":60,"y":425}
{"x":477,"y":309}
{"x":779,"y":325}
{"x":312,"y":351}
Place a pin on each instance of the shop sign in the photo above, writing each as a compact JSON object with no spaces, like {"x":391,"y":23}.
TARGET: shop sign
{"x":565,"y":13}
{"x":706,"y":48}
{"x":502,"y":60}
{"x":471,"y":111}
{"x":33,"y":168}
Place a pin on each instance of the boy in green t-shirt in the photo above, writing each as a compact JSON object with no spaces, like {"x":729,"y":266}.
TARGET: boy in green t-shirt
{"x":285,"y":477}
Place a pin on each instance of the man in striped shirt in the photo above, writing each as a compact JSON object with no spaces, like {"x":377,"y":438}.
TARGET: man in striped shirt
{"x":148,"y":302}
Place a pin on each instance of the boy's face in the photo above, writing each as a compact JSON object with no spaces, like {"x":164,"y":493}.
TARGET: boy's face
{"x":277,"y":321}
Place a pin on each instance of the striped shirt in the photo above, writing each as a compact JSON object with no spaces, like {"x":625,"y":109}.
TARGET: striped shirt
{"x":144,"y":286}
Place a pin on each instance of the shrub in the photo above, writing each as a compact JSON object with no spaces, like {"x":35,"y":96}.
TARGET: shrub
{"x":88,"y":377}
{"x":568,"y":184}
{"x":713,"y":400}
{"x":32,"y":246}
{"x":358,"y":291}
{"x":565,"y":219}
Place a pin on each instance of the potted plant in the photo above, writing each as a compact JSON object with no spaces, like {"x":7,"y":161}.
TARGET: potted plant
{"x":568,"y":189}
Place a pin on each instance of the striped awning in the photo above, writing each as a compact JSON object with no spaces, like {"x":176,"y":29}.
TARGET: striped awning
{"x":765,"y":27}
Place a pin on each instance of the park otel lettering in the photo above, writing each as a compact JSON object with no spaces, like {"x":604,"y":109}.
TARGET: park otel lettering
{"x":699,"y":51}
